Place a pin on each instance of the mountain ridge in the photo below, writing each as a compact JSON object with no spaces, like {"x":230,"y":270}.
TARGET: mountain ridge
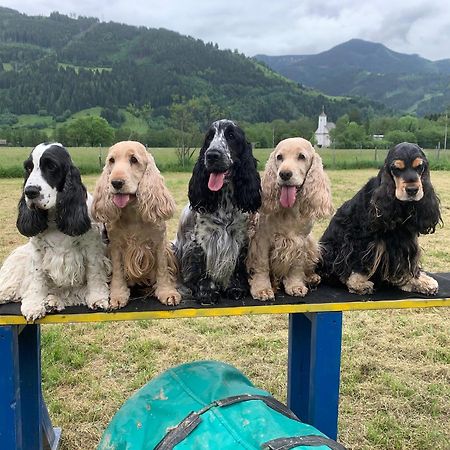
{"x":58,"y":64}
{"x":405,"y":82}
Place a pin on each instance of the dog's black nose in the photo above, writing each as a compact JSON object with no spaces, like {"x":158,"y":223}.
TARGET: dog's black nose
{"x":212,"y":155}
{"x":32,"y":192}
{"x":117,"y":184}
{"x":412,"y":190}
{"x":285,"y":175}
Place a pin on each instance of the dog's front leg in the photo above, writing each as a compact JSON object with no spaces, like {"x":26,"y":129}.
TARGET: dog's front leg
{"x":36,"y":290}
{"x":165,"y":290}
{"x":120,"y":293}
{"x":258,"y":267}
{"x":295,"y":281}
{"x":98,"y":269}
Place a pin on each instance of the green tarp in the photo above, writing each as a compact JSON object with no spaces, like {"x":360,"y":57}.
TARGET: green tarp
{"x":159,"y":407}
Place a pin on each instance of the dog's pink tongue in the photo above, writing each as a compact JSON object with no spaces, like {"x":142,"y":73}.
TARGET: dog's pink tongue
{"x":121,"y":200}
{"x":288,"y":194}
{"x":215,"y":182}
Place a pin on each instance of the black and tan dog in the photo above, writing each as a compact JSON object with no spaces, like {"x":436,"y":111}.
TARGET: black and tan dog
{"x":373,"y":237}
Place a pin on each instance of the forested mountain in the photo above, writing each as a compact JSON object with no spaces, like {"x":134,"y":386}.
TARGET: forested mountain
{"x":403,"y":82}
{"x":59,"y":65}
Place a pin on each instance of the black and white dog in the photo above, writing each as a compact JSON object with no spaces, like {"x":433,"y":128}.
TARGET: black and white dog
{"x":64,"y":262}
{"x":212,"y":238}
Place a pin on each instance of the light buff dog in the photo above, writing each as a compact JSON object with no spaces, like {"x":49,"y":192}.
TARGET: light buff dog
{"x":132,"y":200}
{"x":295,"y":192}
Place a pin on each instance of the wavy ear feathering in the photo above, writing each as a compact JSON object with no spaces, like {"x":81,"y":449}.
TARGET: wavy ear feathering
{"x":31,"y":222}
{"x":270,"y":189}
{"x":103,"y":208}
{"x":154,"y":200}
{"x":199,"y":194}
{"x":72,"y":217}
{"x":428,"y":211}
{"x":315,"y":197}
{"x":247,"y":182}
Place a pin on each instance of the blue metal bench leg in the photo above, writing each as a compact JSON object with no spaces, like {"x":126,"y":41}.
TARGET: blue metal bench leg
{"x":314,"y":363}
{"x":24,"y":420}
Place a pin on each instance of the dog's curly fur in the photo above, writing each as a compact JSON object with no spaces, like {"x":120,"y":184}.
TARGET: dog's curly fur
{"x":132,"y":200}
{"x":64,"y":263}
{"x":373,"y":237}
{"x":282,"y":248}
{"x":212,"y":238}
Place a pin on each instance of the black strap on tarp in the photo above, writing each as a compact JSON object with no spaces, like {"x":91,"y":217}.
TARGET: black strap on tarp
{"x":178,"y":433}
{"x":306,"y":441}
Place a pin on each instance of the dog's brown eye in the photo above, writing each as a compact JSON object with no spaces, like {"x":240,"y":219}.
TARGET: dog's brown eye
{"x":133,"y":160}
{"x":301,"y":156}
{"x":111,"y":160}
{"x":280,"y":157}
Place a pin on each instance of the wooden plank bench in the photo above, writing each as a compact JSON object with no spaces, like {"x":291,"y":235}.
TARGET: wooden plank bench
{"x":314,"y":353}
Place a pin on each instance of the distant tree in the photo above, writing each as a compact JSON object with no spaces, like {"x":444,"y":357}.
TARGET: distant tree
{"x":188,"y":134}
{"x":396,"y":136}
{"x":90,"y":130}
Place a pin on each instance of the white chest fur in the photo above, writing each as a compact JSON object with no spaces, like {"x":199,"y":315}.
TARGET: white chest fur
{"x":62,"y":258}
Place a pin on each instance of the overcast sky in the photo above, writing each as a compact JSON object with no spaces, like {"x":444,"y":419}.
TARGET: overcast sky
{"x":277,"y":27}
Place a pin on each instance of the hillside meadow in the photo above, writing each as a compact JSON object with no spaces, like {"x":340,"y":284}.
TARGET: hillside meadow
{"x":90,"y":159}
{"x":395,"y":391}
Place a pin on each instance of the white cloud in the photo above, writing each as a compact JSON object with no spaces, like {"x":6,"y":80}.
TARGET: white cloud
{"x":282,"y":27}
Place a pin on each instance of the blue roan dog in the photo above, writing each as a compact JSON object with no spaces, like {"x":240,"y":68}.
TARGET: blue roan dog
{"x":212,"y":238}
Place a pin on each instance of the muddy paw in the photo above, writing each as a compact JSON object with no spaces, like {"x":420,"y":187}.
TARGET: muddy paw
{"x":119,"y":300}
{"x":298,"y":291}
{"x":263,"y":294}
{"x":358,"y":283}
{"x":170,"y":298}
{"x":313,"y":279}
{"x":424,"y":284}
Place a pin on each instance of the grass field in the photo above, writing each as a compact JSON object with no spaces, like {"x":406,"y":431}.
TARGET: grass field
{"x":90,"y":159}
{"x":395,"y":392}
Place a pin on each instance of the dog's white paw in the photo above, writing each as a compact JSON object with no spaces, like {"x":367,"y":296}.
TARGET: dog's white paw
{"x":97,"y":301}
{"x":33,"y":311}
{"x":53,"y":303}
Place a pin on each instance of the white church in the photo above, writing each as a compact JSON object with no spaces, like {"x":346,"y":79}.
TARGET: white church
{"x":323,"y":130}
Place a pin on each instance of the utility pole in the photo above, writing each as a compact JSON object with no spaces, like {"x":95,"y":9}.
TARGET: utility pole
{"x":446,"y":127}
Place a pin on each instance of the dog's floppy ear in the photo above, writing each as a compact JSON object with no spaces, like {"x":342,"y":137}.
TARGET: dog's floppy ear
{"x":428,"y":211}
{"x":72,"y":216}
{"x":315,"y":196}
{"x":200,"y":196}
{"x":246,"y":181}
{"x":270,"y":189}
{"x":31,"y":222}
{"x":154,"y":200}
{"x":103,"y":208}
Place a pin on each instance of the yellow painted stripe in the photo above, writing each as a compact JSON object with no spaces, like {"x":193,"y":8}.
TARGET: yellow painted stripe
{"x":232,"y":311}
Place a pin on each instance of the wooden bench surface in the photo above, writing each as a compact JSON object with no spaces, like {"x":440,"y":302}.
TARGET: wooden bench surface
{"x":324,"y":299}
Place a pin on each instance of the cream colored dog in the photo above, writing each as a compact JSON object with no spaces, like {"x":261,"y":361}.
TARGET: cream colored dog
{"x":295,"y":192}
{"x":132,"y":200}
